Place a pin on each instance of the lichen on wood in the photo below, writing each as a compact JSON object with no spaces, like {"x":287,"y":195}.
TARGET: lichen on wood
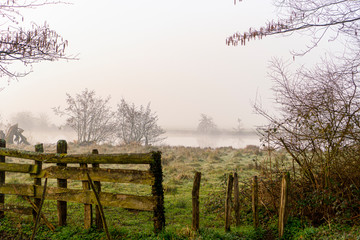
{"x":125,"y":158}
{"x":145,"y":203}
{"x":158,"y":192}
{"x":21,"y":168}
{"x":98,"y":174}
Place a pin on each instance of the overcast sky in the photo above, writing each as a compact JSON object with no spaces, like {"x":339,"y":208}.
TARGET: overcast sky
{"x":170,"y":53}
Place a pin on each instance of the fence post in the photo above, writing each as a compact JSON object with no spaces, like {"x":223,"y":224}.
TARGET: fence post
{"x":98,"y":221}
{"x":2,"y":177}
{"x":236,"y":199}
{"x":228,"y":203}
{"x":255,"y":201}
{"x":158,"y":192}
{"x":285,"y":182}
{"x":61,"y":148}
{"x":87,"y":207}
{"x":37,"y":181}
{"x":195,"y":202}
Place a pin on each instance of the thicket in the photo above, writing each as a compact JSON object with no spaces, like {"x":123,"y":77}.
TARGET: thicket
{"x":315,"y":135}
{"x":317,"y":123}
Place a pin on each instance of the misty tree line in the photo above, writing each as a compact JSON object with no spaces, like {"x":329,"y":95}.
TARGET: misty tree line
{"x":94,"y":121}
{"x":208,"y":126}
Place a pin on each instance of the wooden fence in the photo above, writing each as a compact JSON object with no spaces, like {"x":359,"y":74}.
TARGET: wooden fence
{"x":86,"y":174}
{"x":233,"y":184}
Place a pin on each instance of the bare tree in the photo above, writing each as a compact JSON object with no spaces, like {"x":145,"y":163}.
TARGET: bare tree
{"x":28,"y":46}
{"x":318,"y":124}
{"x":239,"y":127}
{"x":207,"y":125}
{"x":313,"y":17}
{"x":319,"y":106}
{"x":336,"y":21}
{"x":318,"y":121}
{"x":89,"y":116}
{"x":137,"y":125}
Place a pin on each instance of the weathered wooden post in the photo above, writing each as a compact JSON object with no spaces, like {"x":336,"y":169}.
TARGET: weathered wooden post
{"x":195,"y":202}
{"x":61,"y":148}
{"x":236,"y":199}
{"x":158,"y":192}
{"x":98,"y":221}
{"x":37,"y":181}
{"x":283,"y":212}
{"x":2,"y":177}
{"x":228,"y":203}
{"x":87,"y":207}
{"x":255,"y":201}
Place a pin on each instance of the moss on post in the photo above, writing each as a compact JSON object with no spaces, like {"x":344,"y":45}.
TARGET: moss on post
{"x":236,"y":199}
{"x":158,"y":192}
{"x":229,"y":189}
{"x":87,"y":207}
{"x":61,"y":148}
{"x":37,"y":181}
{"x":195,"y":202}
{"x":97,"y":184}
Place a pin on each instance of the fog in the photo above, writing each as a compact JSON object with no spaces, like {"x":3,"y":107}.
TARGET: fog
{"x":39,"y":129}
{"x":172,"y":54}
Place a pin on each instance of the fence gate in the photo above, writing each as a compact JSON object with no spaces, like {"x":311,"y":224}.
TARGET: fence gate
{"x":83,"y":172}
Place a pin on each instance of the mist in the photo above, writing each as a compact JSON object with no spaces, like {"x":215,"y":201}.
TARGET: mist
{"x":180,"y":65}
{"x":38,"y":128}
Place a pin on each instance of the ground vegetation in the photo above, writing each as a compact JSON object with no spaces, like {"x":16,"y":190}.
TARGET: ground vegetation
{"x":179,"y":166}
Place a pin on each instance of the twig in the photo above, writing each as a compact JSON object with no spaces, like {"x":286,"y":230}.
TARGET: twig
{"x":100,"y":206}
{"x":47,"y":223}
{"x":39,"y":212}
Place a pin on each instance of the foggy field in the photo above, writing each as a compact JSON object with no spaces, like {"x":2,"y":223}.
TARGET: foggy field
{"x":193,"y":139}
{"x":172,"y":138}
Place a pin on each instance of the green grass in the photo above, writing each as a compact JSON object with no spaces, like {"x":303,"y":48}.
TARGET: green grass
{"x":179,"y":166}
{"x":24,"y":231}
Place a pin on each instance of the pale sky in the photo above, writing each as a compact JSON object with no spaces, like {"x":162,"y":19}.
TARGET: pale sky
{"x":170,"y":53}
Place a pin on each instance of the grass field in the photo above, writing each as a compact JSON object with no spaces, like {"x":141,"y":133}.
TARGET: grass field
{"x":179,"y":166}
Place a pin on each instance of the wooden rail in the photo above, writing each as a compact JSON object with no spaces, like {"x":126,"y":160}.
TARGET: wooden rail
{"x":96,"y":174}
{"x":129,"y":158}
{"x":86,"y":195}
